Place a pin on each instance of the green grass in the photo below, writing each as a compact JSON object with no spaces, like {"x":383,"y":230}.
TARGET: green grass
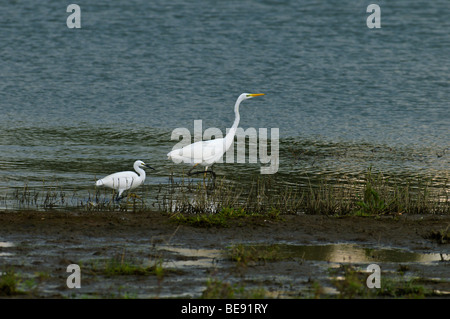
{"x":373,"y":195}
{"x":125,"y":268}
{"x":400,"y":288}
{"x":53,"y":197}
{"x":119,"y":266}
{"x":352,"y":284}
{"x":12,"y":284}
{"x":245,"y":255}
{"x":9,"y":282}
{"x":368,"y":194}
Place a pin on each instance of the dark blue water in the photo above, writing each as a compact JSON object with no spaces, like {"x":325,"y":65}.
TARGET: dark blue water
{"x":77,"y":104}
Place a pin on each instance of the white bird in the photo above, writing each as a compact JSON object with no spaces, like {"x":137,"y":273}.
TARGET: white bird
{"x":206,"y":153}
{"x":123,"y":181}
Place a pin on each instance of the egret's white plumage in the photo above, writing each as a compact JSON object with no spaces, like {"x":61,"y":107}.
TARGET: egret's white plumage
{"x":206,"y":153}
{"x":123,"y":181}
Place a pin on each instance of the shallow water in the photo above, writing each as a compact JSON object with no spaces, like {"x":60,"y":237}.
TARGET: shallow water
{"x":79,"y":104}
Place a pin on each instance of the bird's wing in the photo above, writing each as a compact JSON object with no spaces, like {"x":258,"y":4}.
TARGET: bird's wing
{"x":199,"y":152}
{"x":122,"y":180}
{"x":188,"y":154}
{"x":213,"y":149}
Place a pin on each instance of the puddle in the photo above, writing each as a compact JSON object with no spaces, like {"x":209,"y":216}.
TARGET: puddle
{"x":333,"y":253}
{"x":342,"y":253}
{"x":6,"y":244}
{"x":351,"y":253}
{"x":189,"y":257}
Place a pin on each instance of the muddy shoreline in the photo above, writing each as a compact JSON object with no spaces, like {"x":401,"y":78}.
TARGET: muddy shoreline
{"x":406,"y":231}
{"x":45,"y":242}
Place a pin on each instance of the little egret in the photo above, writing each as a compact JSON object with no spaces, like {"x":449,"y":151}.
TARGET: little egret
{"x":123,"y":181}
{"x":206,"y":153}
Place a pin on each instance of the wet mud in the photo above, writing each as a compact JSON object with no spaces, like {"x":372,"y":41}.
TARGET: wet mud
{"x":195,"y":262}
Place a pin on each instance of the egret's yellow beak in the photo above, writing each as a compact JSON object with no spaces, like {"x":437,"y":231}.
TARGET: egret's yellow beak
{"x":256,"y":94}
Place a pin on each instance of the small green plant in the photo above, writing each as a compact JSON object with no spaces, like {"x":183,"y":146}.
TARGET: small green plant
{"x":9,"y":283}
{"x":41,"y":276}
{"x":119,"y":266}
{"x":372,"y":203}
{"x":317,"y":290}
{"x":244,"y":255}
{"x":125,"y":268}
{"x":401,"y":288}
{"x":352,"y":284}
{"x":441,"y":236}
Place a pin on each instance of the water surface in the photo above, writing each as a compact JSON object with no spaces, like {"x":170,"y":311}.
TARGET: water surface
{"x":78,"y":104}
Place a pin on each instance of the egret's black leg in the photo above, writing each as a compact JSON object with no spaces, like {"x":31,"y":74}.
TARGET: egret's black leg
{"x":203,"y":172}
{"x":190,"y":171}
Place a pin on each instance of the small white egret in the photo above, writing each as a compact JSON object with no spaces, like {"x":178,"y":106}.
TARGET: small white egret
{"x":123,"y":181}
{"x":206,"y":153}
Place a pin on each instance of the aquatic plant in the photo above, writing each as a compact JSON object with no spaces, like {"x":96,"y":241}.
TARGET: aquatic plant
{"x":373,"y":194}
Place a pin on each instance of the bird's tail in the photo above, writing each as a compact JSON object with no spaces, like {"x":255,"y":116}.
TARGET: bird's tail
{"x":99,"y":182}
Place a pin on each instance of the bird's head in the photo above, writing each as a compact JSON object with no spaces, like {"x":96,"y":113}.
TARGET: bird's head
{"x":142,"y":164}
{"x":245,"y":96}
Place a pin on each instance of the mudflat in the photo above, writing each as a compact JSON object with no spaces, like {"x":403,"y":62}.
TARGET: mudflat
{"x":46,"y":242}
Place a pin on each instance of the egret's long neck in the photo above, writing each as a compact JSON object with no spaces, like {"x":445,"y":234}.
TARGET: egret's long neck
{"x":229,"y":138}
{"x":237,"y":116}
{"x":140,"y":172}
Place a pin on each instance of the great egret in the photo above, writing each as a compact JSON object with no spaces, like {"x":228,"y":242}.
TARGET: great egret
{"x":127,"y":180}
{"x":206,"y":153}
